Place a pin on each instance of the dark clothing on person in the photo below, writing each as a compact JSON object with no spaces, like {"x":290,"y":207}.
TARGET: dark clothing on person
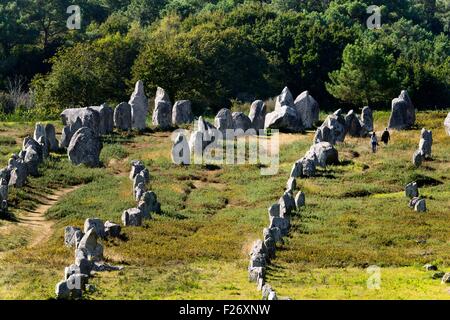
{"x":385,"y":137}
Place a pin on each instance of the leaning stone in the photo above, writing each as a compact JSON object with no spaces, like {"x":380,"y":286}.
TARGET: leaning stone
{"x":139,"y":107}
{"x":182,"y":113}
{"x":307,"y":109}
{"x":412,"y":190}
{"x":85,"y":148}
{"x":96,"y":224}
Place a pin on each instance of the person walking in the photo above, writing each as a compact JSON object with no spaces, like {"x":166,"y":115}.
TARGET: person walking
{"x":374,"y":142}
{"x":385,"y":136}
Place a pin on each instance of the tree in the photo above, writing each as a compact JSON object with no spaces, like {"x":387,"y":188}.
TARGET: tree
{"x":367,"y":75}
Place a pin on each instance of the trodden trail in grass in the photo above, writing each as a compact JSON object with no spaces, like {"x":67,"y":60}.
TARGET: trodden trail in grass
{"x":40,"y":227}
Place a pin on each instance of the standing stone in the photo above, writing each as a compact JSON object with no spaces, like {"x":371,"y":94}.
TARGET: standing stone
{"x":403,"y":114}
{"x":309,"y":166}
{"x":88,"y":117}
{"x":3,"y":196}
{"x":68,"y":132}
{"x":162,"y":114}
{"x":132,"y":217}
{"x":148,"y":203}
{"x":90,"y":246}
{"x":283,"y":118}
{"x":420,"y":206}
{"x":284,"y":99}
{"x":39,"y":131}
{"x":32,"y":160}
{"x":367,"y":119}
{"x":412,"y":190}
{"x":224,"y":120}
{"x":307,"y":109}
{"x":72,"y":236}
{"x":241,"y":121}
{"x":353,"y":126}
{"x":297,"y":169}
{"x":325,"y":154}
{"x":417,"y":158}
{"x":19,"y":172}
{"x":182,"y":112}
{"x":181,"y":153}
{"x":136,"y":167}
{"x":97,"y":225}
{"x":106,"y":118}
{"x":291,"y":185}
{"x":122,"y":116}
{"x":333,"y":129}
{"x":84,"y":148}
{"x":50,"y":134}
{"x":426,"y":141}
{"x":139,"y":107}
{"x":299,"y":200}
{"x":274,"y":210}
{"x":112,"y":229}
{"x":287,"y":204}
{"x":257,"y":114}
{"x":447,"y":124}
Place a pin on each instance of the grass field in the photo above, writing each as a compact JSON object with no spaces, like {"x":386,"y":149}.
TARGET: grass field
{"x":356,"y":216}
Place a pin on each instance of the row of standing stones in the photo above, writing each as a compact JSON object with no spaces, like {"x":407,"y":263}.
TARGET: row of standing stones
{"x":89,"y":252}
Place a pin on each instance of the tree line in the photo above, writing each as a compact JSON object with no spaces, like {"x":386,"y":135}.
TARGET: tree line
{"x":217,"y":52}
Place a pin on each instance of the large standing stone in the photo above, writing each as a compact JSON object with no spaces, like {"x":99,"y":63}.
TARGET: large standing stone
{"x":106,"y":118}
{"x":139,"y":107}
{"x":32,"y":160}
{"x":325,"y":154}
{"x":353,"y":126}
{"x":426,"y":141}
{"x":122,"y":116}
{"x":50,"y":134}
{"x":307,"y":109}
{"x":182,"y":112}
{"x":284,"y":99}
{"x":241,"y":121}
{"x":447,"y":124}
{"x":224,"y":120}
{"x":283,"y":118}
{"x":332,"y":130}
{"x":85,"y":147}
{"x":162,"y":114}
{"x":412,"y":190}
{"x":367,"y":119}
{"x":257,"y":114}
{"x":403,"y":114}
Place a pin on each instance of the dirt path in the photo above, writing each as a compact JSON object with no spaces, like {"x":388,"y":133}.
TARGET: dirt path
{"x":35,"y":221}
